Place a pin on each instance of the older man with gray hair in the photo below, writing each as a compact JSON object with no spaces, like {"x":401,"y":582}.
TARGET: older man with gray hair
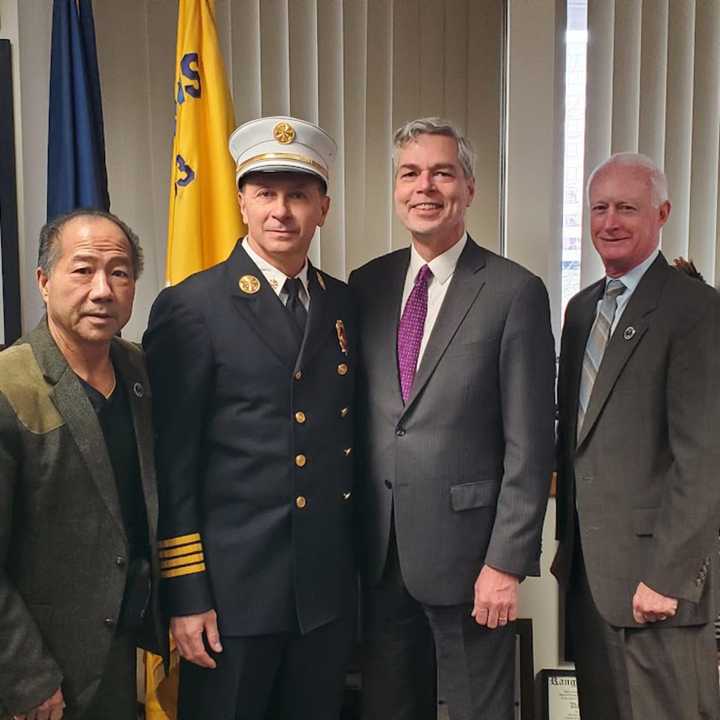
{"x":638,"y":458}
{"x":456,"y":441}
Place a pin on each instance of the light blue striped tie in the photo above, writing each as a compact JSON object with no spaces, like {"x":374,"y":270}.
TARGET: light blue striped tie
{"x":596,"y":344}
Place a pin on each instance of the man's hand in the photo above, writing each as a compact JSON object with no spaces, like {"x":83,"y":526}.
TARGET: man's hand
{"x":51,"y":709}
{"x":496,"y":596}
{"x":188,"y":633}
{"x":650,"y":606}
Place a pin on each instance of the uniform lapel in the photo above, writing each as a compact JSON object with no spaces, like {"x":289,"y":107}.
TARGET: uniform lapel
{"x":137,"y":387}
{"x":75,"y":407}
{"x":318,"y":323}
{"x":627,"y":336}
{"x":262,"y":310}
{"x":466,"y":283}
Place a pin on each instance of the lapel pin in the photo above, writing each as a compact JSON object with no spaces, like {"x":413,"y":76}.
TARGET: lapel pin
{"x":320,"y":279}
{"x":629,"y":333}
{"x":249,"y":284}
{"x":274,"y":284}
{"x":138,"y":389}
{"x":342,"y":337}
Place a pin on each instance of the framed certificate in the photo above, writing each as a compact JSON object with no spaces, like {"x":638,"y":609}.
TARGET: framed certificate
{"x":9,"y":256}
{"x":559,"y":695}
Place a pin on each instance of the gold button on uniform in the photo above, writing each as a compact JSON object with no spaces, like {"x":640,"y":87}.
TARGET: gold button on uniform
{"x":342,"y":369}
{"x":300,"y":417}
{"x":300,"y":460}
{"x":298,"y":375}
{"x":344,"y":412}
{"x":300,"y":501}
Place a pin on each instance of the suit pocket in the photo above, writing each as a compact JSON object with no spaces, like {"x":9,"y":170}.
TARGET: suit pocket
{"x":644,"y":520}
{"x":472,"y":495}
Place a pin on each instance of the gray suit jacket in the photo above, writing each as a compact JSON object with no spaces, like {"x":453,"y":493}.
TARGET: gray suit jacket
{"x":63,"y":546}
{"x":466,"y":463}
{"x":645,"y":467}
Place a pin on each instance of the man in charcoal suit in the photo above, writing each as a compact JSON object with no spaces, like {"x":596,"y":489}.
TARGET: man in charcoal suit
{"x":455,"y":445}
{"x":638,"y":459}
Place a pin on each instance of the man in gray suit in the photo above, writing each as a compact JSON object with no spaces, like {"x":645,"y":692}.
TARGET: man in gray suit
{"x":456,"y":438}
{"x":78,"y":504}
{"x":638,"y":459}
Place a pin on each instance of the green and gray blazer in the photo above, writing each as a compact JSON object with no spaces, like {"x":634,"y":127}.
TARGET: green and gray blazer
{"x":63,"y":547}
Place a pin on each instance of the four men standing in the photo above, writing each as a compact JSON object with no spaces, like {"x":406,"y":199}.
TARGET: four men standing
{"x":253,"y":368}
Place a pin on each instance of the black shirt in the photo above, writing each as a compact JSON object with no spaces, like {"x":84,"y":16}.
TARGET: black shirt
{"x":116,"y":422}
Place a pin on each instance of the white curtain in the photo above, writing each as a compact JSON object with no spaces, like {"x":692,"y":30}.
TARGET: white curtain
{"x":654,"y":87}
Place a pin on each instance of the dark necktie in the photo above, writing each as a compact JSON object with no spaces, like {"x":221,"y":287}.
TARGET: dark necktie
{"x":294,"y":305}
{"x":410,"y":330}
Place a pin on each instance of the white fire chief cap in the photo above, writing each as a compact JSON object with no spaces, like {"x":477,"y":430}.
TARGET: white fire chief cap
{"x":282,"y":144}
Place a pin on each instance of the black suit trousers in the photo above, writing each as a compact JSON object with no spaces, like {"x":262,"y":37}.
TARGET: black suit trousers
{"x":283,"y":676}
{"x":409,"y":647}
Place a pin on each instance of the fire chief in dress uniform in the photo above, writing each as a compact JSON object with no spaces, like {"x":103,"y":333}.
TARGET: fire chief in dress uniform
{"x":251,"y":364}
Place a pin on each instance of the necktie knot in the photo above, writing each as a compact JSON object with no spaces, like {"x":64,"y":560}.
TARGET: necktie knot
{"x":292,"y":288}
{"x":424,"y":275}
{"x":294,"y":305}
{"x":614,"y":289}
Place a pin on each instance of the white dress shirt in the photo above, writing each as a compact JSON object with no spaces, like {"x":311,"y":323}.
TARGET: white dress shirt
{"x":276,"y":278}
{"x":443,"y":268}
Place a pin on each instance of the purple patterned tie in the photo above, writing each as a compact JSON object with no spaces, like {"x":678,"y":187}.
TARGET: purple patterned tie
{"x":410,"y":330}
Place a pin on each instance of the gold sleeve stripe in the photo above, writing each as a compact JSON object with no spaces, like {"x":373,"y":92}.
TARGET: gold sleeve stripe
{"x":187,"y":570}
{"x":183,"y":550}
{"x":180,"y":540}
{"x":184,"y":560}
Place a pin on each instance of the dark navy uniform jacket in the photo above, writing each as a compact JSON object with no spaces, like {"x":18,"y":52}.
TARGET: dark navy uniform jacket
{"x":254,"y":449}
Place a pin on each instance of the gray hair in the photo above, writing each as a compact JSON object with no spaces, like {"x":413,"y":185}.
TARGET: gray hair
{"x":49,"y":250}
{"x":435,"y":126}
{"x":656,"y":177}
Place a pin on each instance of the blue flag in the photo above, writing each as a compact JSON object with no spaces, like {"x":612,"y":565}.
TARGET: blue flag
{"x":77,"y":176}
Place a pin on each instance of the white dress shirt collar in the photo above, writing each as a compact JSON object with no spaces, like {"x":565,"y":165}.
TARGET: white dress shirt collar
{"x":276,"y":278}
{"x":443,"y":266}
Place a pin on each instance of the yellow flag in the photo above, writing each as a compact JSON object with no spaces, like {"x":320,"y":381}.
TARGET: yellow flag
{"x":204,"y":220}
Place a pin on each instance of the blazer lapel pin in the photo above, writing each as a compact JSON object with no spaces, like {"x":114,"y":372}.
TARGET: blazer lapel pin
{"x":138,"y":389}
{"x":629,"y":333}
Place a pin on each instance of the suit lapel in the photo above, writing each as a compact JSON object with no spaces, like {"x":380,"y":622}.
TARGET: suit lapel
{"x":77,"y":411}
{"x":137,"y":388}
{"x":627,"y":336}
{"x":579,"y":333}
{"x":465,"y":285}
{"x":387,"y":318}
{"x":262,"y":310}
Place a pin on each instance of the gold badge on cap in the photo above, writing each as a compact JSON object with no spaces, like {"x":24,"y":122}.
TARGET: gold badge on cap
{"x":342,"y":337}
{"x":284,"y":133}
{"x":249,"y":284}
{"x":320,"y":279}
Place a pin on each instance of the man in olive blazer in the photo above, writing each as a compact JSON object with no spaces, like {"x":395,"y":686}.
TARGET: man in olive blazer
{"x":639,"y":497}
{"x":74,"y":591}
